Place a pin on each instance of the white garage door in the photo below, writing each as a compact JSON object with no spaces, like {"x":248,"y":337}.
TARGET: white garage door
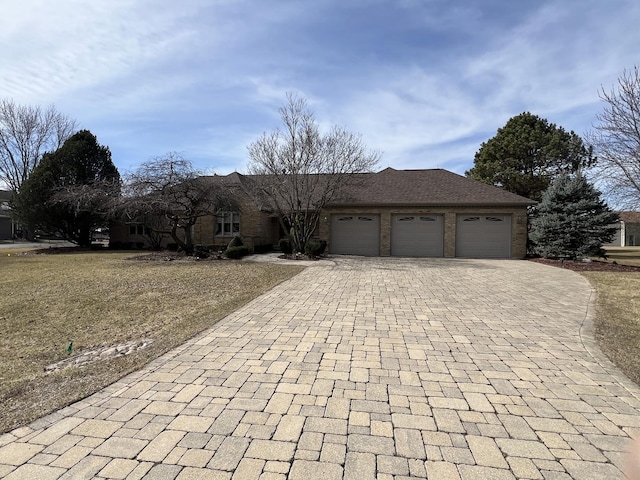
{"x":355,"y":234}
{"x":483,"y":236}
{"x":417,"y":235}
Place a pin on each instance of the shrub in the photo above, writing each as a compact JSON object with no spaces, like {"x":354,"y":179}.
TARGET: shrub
{"x":235,"y":242}
{"x":315,"y":247}
{"x":115,"y":244}
{"x":172,"y":247}
{"x":236,"y":252}
{"x":139,"y":245}
{"x":285,"y":246}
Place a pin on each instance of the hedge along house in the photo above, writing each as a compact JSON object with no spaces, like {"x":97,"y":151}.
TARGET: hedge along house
{"x":412,"y":213}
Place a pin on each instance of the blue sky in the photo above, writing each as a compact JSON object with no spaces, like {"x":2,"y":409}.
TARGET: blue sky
{"x":424,"y":81}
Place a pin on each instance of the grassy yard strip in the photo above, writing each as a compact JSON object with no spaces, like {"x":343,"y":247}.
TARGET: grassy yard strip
{"x":617,"y":325}
{"x":100,"y":299}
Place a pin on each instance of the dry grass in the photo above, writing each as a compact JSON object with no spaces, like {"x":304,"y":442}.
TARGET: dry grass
{"x":617,"y":326}
{"x":101,"y":299}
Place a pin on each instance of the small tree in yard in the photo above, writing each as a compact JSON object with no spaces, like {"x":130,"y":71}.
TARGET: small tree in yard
{"x":300,"y":170}
{"x":169,"y":196}
{"x":572,"y":220}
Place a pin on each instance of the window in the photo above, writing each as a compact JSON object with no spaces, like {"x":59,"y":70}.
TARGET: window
{"x":405,"y":219}
{"x":494,"y":219}
{"x":227,"y":224}
{"x":471,"y":219}
{"x":427,"y":219}
{"x":138,"y":229}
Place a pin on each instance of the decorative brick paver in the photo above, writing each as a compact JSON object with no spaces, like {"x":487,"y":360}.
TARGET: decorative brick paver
{"x":363,"y":368}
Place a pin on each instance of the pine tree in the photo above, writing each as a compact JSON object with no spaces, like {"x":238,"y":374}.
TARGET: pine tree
{"x":572,"y":220}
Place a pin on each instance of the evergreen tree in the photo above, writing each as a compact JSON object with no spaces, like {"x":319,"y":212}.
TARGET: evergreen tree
{"x":572,"y":220}
{"x":527,"y":154}
{"x":70,"y":189}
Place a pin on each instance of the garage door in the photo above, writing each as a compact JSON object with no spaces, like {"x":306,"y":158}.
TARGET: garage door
{"x":354,"y":234}
{"x":483,"y":236}
{"x":417,"y":235}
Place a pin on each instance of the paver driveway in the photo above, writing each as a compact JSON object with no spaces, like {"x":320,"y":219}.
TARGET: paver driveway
{"x":370,"y":368}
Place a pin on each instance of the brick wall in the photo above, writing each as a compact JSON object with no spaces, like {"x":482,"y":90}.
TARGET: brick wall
{"x":256,"y":227}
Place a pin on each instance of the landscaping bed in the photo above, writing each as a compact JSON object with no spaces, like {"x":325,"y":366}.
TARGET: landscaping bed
{"x":590,"y":266}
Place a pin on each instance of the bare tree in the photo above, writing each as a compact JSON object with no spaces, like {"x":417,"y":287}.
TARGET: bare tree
{"x":616,"y":139}
{"x":26,"y":132}
{"x":168,"y":196}
{"x":299,"y":170}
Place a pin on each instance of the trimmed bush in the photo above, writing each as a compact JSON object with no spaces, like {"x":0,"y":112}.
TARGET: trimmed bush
{"x":315,"y":247}
{"x":236,"y":252}
{"x":235,"y":242}
{"x":286,"y":246}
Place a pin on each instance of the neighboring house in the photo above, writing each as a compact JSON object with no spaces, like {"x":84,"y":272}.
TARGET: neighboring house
{"x":412,"y":213}
{"x":627,"y":230}
{"x":6,"y":220}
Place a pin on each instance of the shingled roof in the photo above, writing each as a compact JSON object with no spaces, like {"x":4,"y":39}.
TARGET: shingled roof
{"x":390,"y":187}
{"x":426,"y":187}
{"x":630,"y":217}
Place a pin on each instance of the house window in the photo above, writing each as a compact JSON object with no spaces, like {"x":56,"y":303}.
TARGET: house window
{"x":138,"y":229}
{"x":228,"y":224}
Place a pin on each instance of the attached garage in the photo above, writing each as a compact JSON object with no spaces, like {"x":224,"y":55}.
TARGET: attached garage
{"x":483,"y":236}
{"x":355,"y":234}
{"x":417,"y":235}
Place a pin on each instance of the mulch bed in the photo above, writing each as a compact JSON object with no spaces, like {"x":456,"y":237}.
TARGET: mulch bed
{"x":593,"y":266}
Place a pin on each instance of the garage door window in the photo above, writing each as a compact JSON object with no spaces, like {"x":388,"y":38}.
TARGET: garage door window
{"x":494,"y":219}
{"x":472,"y":219}
{"x":427,"y":219}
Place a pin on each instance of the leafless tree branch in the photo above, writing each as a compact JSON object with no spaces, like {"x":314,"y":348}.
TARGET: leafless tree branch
{"x":299,"y":170}
{"x":616,"y":140}
{"x":26,"y":132}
